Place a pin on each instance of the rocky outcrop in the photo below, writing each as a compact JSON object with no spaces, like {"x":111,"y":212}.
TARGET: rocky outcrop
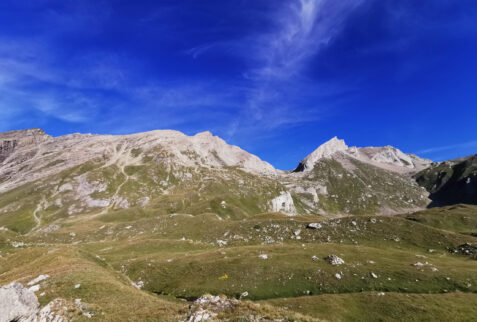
{"x":466,"y":249}
{"x":284,"y":204}
{"x":393,"y":159}
{"x":207,"y":307}
{"x":325,"y":150}
{"x":20,"y":304}
{"x":17,"y":303}
{"x":13,"y":140}
{"x":30,"y":155}
{"x":451,"y":182}
{"x":388,"y":157}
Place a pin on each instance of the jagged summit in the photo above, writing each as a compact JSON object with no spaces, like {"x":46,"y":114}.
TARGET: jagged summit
{"x":30,"y":155}
{"x":323,"y":151}
{"x":387,"y":157}
{"x":14,"y":140}
{"x":201,"y":173}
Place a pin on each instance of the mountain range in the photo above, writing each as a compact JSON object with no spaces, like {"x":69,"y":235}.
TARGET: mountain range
{"x":83,"y":173}
{"x":144,"y":226}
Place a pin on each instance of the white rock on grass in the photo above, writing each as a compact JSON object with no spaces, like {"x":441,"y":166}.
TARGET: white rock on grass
{"x":35,"y":288}
{"x":201,"y":315}
{"x":207,"y":307}
{"x":334,"y":260}
{"x":338,"y":276}
{"x":263,"y":256}
{"x":37,"y":280}
{"x":221,"y":243}
{"x":77,"y":286}
{"x":17,"y":303}
{"x":314,"y":225}
{"x":373,"y":275}
{"x":83,"y":308}
{"x":244,"y":294}
{"x":17,"y":244}
{"x":139,"y":285}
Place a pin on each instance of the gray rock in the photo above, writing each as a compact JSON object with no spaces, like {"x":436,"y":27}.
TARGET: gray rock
{"x":334,"y":260}
{"x":207,"y":307}
{"x":17,"y":303}
{"x":314,"y":225}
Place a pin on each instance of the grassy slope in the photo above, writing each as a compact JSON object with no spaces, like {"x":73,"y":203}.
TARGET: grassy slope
{"x":107,"y":253}
{"x":451,"y":182}
{"x":458,"y":218}
{"x":179,"y":254}
{"x":372,"y":306}
{"x":363,"y":189}
{"x":108,"y":295}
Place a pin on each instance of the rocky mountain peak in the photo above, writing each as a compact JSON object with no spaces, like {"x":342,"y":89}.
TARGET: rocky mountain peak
{"x":386,"y":157}
{"x":392,"y":158}
{"x":14,"y":140}
{"x":323,"y":151}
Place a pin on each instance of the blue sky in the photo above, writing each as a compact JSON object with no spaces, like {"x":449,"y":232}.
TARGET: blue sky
{"x":277,"y":78}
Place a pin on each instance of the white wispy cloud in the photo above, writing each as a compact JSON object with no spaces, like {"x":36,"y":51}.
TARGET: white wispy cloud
{"x":301,"y":29}
{"x":463,"y":145}
{"x":33,"y":86}
{"x":195,"y":52}
{"x":32,"y":79}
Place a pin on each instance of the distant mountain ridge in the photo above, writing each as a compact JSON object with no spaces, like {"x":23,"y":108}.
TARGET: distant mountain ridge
{"x":451,"y":182}
{"x":387,"y":157}
{"x":45,"y":179}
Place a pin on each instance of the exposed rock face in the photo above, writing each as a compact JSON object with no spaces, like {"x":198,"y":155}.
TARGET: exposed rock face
{"x":323,"y":151}
{"x":17,"y":303}
{"x":208,"y":307}
{"x":387,"y":157}
{"x":393,"y":156}
{"x":30,"y":155}
{"x":284,"y":204}
{"x":127,"y":171}
{"x":451,"y":182}
{"x":24,"y":139}
{"x":393,"y":159}
{"x":20,"y":304}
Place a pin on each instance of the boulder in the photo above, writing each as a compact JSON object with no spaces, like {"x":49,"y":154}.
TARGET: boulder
{"x":208,"y":307}
{"x":17,"y":303}
{"x":314,"y":225}
{"x":334,"y":260}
